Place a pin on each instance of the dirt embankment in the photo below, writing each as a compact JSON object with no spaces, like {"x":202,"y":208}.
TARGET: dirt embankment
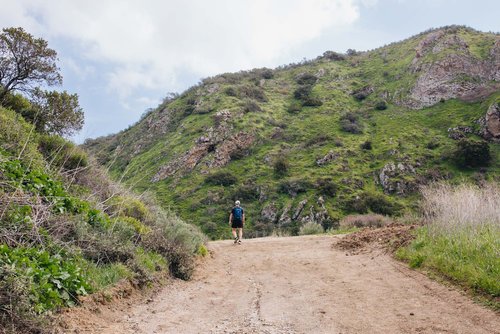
{"x":294,"y":285}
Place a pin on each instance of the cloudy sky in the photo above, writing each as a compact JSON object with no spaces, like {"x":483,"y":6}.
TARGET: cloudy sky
{"x":124,"y":56}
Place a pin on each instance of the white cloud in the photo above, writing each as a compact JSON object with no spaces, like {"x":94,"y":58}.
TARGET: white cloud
{"x":146,"y":41}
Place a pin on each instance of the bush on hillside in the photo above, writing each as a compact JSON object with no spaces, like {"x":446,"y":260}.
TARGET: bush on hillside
{"x":250,"y":105}
{"x":306,"y":79}
{"x":267,"y":73}
{"x":349,"y":122}
{"x":311,"y":228}
{"x":294,"y":187}
{"x":374,"y":202}
{"x":221,"y":179}
{"x":472,"y":153}
{"x":312,"y":102}
{"x":252,"y":92}
{"x":246,"y":193}
{"x":367,"y":145}
{"x":281,"y":167}
{"x":294,"y":107}
{"x":326,"y":187}
{"x":381,"y":105}
{"x":302,"y":92}
{"x":367,"y":220}
{"x":231,"y":91}
{"x":62,"y":153}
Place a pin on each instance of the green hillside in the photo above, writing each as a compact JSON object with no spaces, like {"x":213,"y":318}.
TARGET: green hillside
{"x":314,"y":141}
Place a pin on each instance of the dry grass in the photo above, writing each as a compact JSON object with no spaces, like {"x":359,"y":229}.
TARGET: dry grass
{"x":453,"y":208}
{"x":368,"y":220}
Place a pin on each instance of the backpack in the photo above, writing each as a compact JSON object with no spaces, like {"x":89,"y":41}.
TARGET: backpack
{"x":237,"y":213}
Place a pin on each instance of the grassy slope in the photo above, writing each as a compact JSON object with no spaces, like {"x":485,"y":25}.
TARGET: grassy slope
{"x":67,"y":230}
{"x":396,"y":129}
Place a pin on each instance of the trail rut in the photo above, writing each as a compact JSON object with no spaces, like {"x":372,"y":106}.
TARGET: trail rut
{"x":296,"y":285}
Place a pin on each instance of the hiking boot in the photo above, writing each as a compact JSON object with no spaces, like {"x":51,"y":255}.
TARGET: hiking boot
{"x":239,"y":241}
{"x":236,"y":240}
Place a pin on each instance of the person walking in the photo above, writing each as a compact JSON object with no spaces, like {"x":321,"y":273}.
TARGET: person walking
{"x":237,"y":221}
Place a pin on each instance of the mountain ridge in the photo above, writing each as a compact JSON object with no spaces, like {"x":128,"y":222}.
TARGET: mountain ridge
{"x":356,"y":132}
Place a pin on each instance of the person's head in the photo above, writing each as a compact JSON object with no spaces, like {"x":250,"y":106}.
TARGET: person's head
{"x":237,"y":203}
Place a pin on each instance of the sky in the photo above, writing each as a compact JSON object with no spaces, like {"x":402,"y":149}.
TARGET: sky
{"x":123,"y":57}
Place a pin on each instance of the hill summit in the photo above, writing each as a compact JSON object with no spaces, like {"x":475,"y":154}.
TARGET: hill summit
{"x":309,"y":143}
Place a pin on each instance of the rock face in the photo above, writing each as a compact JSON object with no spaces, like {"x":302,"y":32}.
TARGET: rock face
{"x":456,"y":74}
{"x":491,"y":123}
{"x":269,"y":214}
{"x":218,"y":144}
{"x":395,"y":178}
{"x":330,"y":156}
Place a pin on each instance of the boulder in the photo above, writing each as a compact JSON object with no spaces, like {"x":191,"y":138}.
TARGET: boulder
{"x":491,"y":124}
{"x":397,"y":178}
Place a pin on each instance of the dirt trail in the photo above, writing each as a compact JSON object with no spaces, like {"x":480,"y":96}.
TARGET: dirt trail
{"x":299,"y":285}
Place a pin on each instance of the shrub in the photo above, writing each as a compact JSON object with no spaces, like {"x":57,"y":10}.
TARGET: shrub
{"x":306,"y":79}
{"x":62,"y":153}
{"x":294,"y":187}
{"x":252,"y":92}
{"x":294,"y":107}
{"x":128,"y":206}
{"x":368,"y":220}
{"x":267,"y":73}
{"x":381,"y":105}
{"x":246,"y":193}
{"x":433,"y":144}
{"x":312,"y":102}
{"x":472,"y":153}
{"x":349,"y":122}
{"x":281,"y":167}
{"x":302,"y":92}
{"x":310,"y":228}
{"x":326,"y":187}
{"x":221,"y":179}
{"x":375,"y":202}
{"x":231,"y":91}
{"x":251,"y":106}
{"x":335,"y":56}
{"x":367,"y":145}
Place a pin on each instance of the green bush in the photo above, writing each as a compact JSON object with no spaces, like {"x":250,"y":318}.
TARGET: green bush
{"x":381,"y":105}
{"x":349,"y":122}
{"x":294,"y":187}
{"x":251,"y":106}
{"x":62,"y":153}
{"x":472,"y":153}
{"x":221,"y":179}
{"x":281,"y":167}
{"x":56,"y":279}
{"x":17,"y":138}
{"x":302,"y":92}
{"x":294,"y":107}
{"x":306,"y":79}
{"x":311,"y":228}
{"x":374,"y":202}
{"x":231,"y":91}
{"x":326,"y":187}
{"x":367,"y":145}
{"x":252,"y":92}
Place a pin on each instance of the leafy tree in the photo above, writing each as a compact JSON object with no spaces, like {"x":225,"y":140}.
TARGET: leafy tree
{"x":472,"y":153}
{"x":55,"y":112}
{"x":25,"y":62}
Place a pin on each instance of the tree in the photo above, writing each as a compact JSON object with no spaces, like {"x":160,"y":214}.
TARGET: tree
{"x":472,"y":153}
{"x":55,"y":112}
{"x":25,"y":62}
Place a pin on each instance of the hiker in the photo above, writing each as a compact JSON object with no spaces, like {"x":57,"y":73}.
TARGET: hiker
{"x":236,"y":221}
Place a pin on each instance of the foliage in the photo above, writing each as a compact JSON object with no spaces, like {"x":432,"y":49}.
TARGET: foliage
{"x":381,"y":105}
{"x":374,"y":202}
{"x":310,"y":228}
{"x":367,"y":145}
{"x":221,"y":179}
{"x":306,"y":79}
{"x":366,"y":220}
{"x":472,"y":153}
{"x":326,"y":187}
{"x":56,"y":279}
{"x":25,"y":61}
{"x":349,"y":122}
{"x":294,"y":187}
{"x":62,"y":153}
{"x":55,"y":112}
{"x":281,"y":167}
{"x":251,"y":106}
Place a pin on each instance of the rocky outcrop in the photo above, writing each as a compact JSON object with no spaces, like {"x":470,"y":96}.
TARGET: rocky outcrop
{"x":299,"y":209}
{"x":269,"y":214}
{"x":217,"y":144}
{"x":454,"y":75}
{"x":329,"y":157}
{"x":397,"y":178}
{"x":285,"y":220}
{"x":490,"y":124}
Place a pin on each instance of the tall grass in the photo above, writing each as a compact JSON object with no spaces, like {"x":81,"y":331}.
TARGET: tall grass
{"x":461,"y":240}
